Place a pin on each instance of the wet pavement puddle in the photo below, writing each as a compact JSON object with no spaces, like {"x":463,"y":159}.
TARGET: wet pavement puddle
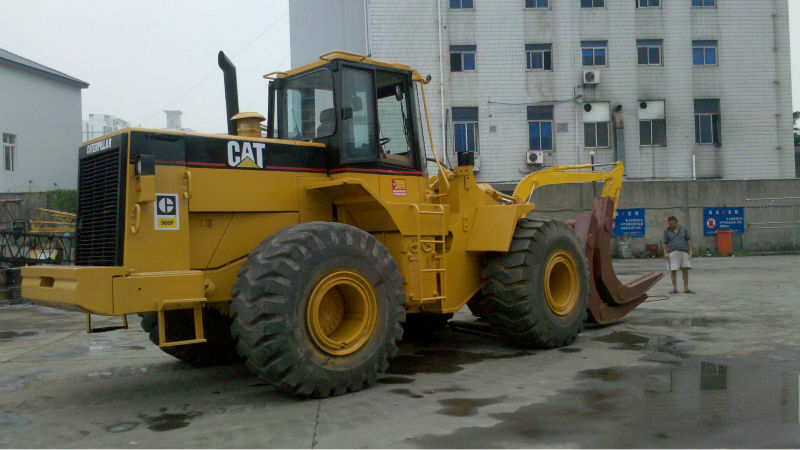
{"x":462,"y":407}
{"x":699,"y":403}
{"x":168,"y":421}
{"x":6,"y":336}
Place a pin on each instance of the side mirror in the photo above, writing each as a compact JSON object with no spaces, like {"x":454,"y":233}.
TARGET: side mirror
{"x":398,"y":93}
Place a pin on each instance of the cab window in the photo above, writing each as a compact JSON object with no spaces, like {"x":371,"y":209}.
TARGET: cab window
{"x":396,"y":129}
{"x":358,"y":116}
{"x":305,"y":107}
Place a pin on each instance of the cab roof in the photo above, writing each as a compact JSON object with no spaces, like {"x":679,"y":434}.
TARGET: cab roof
{"x":325,"y":58}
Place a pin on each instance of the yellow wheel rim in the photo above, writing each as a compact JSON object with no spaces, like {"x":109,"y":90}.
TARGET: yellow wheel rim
{"x":341,"y":313}
{"x":561,"y":285}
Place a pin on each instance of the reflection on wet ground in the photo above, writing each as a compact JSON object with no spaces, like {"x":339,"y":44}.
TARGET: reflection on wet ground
{"x":699,"y":404}
{"x":685,"y":403}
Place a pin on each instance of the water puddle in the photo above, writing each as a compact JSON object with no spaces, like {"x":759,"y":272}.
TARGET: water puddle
{"x":569,"y":350}
{"x":702,"y":404}
{"x":442,"y":361}
{"x":463,"y":407}
{"x":11,"y":384}
{"x":395,"y":380}
{"x":168,"y":421}
{"x":8,"y":420}
{"x":7,"y":336}
{"x":685,"y":322}
{"x":626,"y":340}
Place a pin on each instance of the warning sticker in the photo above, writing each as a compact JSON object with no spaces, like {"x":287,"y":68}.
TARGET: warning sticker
{"x":166,"y":212}
{"x":399,"y":187}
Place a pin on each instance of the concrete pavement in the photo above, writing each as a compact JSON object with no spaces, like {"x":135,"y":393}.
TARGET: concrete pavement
{"x":715,"y":369}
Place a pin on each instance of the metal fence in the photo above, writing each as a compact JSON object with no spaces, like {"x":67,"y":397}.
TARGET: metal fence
{"x":773,"y":224}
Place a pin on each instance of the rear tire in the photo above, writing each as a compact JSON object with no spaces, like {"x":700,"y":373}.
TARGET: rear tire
{"x":318,"y":309}
{"x":537,"y":292}
{"x":219,"y":348}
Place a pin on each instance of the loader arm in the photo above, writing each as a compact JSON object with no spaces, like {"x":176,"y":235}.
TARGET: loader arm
{"x":612,"y":180}
{"x":609,"y":298}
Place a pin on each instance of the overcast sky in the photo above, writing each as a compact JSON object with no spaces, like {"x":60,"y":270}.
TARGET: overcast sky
{"x":146,"y":56}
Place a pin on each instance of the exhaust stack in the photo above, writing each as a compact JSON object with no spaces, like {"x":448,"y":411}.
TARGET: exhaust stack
{"x":231,"y":90}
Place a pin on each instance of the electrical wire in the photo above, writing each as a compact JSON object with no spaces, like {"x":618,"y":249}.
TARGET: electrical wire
{"x":215,"y":70}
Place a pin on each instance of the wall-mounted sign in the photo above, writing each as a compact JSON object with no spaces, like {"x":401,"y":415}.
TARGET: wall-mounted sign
{"x":723,"y":218}
{"x":629,"y":222}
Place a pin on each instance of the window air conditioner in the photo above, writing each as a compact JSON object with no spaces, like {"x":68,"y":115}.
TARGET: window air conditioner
{"x":591,"y":77}
{"x":535,"y":157}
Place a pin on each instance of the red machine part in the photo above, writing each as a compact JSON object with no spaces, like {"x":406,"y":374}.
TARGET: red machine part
{"x":609,"y":299}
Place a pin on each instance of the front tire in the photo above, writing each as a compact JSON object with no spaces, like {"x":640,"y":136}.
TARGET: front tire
{"x":318,"y":309}
{"x":537,"y":292}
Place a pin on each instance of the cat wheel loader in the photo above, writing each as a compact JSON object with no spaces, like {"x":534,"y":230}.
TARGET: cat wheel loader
{"x":305,"y":253}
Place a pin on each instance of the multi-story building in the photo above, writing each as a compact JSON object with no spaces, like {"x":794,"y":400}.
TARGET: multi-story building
{"x":673,"y":88}
{"x":101,"y":124}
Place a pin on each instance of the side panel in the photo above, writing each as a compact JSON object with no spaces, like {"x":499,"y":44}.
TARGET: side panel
{"x":246,"y":231}
{"x":493,"y":228}
{"x":149,"y":248}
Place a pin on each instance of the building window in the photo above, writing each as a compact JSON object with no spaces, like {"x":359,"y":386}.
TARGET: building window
{"x":648,"y":3}
{"x":537,"y":3}
{"x":704,"y":53}
{"x":461,"y":4}
{"x":462,"y":58}
{"x":9,"y":151}
{"x":595,"y":135}
{"x":539,"y":56}
{"x":704,"y":3}
{"x":465,"y":129}
{"x":540,"y":127}
{"x":653,"y":133}
{"x":707,"y":122}
{"x":593,"y":3}
{"x":649,"y":51}
{"x":594,"y":53}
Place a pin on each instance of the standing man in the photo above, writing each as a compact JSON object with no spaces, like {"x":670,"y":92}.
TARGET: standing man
{"x":677,"y":251}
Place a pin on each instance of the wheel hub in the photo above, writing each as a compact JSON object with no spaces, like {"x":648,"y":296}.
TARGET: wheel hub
{"x":341,"y":313}
{"x":561,"y":280}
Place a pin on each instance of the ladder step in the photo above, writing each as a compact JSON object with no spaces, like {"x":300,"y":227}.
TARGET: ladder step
{"x":432,"y":241}
{"x":432,"y":270}
{"x":430,"y":299}
{"x":439,"y":213}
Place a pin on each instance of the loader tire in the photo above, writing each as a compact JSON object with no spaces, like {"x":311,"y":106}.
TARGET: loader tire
{"x":219,"y":348}
{"x":536,"y":294}
{"x":318,"y":309}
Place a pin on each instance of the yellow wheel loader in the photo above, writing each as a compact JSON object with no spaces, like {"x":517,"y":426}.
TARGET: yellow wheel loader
{"x":305,"y":252}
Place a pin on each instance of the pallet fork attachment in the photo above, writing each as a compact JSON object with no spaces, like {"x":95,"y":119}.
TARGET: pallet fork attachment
{"x":609,"y":298}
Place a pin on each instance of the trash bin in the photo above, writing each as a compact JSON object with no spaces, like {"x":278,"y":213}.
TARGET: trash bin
{"x":724,"y":242}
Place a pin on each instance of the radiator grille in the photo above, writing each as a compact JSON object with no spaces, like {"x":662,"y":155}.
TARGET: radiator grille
{"x":100,"y":206}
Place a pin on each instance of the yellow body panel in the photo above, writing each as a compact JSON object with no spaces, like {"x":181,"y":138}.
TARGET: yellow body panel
{"x":492,"y":228}
{"x":143,"y":291}
{"x":86,"y":289}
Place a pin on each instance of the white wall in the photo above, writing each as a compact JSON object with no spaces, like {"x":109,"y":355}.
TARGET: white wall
{"x":752,"y":80}
{"x":45,"y":114}
{"x":319,"y":26}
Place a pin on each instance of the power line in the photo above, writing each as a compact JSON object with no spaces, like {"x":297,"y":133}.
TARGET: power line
{"x":213,"y":71}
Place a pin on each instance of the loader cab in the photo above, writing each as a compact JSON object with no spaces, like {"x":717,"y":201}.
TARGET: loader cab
{"x":366,"y":114}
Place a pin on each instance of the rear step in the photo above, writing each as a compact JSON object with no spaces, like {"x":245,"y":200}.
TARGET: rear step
{"x":609,"y":299}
